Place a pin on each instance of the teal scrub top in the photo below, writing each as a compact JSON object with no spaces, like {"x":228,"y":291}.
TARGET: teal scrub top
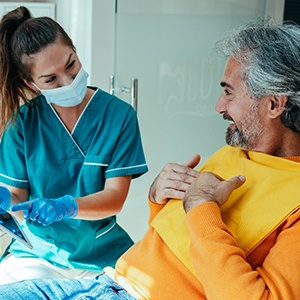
{"x":38,"y":153}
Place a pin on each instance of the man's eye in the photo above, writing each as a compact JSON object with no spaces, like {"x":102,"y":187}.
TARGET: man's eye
{"x":227,"y":92}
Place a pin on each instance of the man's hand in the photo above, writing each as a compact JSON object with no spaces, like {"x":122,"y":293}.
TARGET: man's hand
{"x":173,"y":181}
{"x":209,"y":187}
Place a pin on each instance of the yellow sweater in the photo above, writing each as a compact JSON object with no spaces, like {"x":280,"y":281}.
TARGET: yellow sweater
{"x":224,"y":254}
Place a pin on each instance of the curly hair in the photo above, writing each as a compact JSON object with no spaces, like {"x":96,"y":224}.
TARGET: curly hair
{"x":270,"y":54}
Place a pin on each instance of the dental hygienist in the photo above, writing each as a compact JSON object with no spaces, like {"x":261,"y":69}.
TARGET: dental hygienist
{"x":68,"y":153}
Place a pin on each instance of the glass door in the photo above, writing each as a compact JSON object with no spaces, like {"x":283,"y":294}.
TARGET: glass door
{"x":168,"y":45}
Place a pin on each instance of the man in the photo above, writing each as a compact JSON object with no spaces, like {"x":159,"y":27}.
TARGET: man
{"x":233,"y":236}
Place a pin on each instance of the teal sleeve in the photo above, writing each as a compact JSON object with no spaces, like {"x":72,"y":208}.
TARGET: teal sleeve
{"x":12,"y":162}
{"x":128,"y":157}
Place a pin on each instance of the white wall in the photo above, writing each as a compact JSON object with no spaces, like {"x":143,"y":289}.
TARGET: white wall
{"x":275,"y":9}
{"x":103,"y":43}
{"x":91,"y":24}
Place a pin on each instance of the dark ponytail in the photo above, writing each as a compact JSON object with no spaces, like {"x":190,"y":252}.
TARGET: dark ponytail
{"x":22,"y":35}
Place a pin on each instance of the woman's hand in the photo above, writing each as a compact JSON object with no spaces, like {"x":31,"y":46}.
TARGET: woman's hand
{"x":47,"y":211}
{"x":5,"y":198}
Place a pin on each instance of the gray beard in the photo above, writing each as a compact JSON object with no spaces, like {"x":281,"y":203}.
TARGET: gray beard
{"x":237,"y":139}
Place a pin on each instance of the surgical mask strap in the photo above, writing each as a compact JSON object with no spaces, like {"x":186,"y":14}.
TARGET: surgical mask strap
{"x":36,"y":87}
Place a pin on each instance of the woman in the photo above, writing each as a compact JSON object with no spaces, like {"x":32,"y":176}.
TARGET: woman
{"x":68,"y":153}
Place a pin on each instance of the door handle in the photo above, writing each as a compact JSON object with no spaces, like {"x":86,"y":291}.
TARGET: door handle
{"x":133,"y":90}
{"x":112,"y":84}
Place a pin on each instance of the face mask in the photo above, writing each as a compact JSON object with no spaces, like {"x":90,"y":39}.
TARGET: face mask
{"x":69,"y":95}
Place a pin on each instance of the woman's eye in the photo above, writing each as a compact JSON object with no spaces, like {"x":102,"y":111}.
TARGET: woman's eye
{"x":71,"y":64}
{"x":51,"y":79}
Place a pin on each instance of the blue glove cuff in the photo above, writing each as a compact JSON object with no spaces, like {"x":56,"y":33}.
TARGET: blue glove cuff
{"x":71,"y":206}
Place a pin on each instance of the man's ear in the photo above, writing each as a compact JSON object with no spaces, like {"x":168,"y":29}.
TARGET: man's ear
{"x":32,"y":86}
{"x":277,"y":105}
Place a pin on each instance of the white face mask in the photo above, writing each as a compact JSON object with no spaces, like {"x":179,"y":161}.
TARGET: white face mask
{"x":69,"y":95}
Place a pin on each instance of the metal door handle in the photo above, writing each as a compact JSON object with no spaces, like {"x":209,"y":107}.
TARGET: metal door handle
{"x":133,"y":90}
{"x":112,"y":84}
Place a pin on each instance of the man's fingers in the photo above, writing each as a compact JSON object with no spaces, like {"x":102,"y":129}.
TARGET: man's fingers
{"x":237,"y":181}
{"x":193,"y":161}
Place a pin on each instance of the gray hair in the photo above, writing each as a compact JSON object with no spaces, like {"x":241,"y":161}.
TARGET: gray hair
{"x":270,"y":54}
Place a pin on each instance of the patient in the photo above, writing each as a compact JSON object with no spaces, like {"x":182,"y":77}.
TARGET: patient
{"x":236,"y":232}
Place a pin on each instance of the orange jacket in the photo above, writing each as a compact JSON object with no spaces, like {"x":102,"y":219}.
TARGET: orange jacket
{"x":221,"y":269}
{"x":271,"y":271}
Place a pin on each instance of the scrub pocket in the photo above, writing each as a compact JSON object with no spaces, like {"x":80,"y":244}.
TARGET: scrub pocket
{"x":92,"y":175}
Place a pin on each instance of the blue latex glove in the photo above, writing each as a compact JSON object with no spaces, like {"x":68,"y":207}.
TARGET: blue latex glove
{"x":47,"y":211}
{"x":5,"y":198}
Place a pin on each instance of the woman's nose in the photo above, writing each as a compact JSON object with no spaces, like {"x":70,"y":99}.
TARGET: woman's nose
{"x":65,"y":80}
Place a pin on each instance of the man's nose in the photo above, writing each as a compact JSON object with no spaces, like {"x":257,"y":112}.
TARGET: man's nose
{"x":220,"y":105}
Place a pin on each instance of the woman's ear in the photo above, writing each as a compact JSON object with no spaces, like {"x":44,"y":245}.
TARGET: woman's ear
{"x":277,"y":105}
{"x":32,"y":86}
